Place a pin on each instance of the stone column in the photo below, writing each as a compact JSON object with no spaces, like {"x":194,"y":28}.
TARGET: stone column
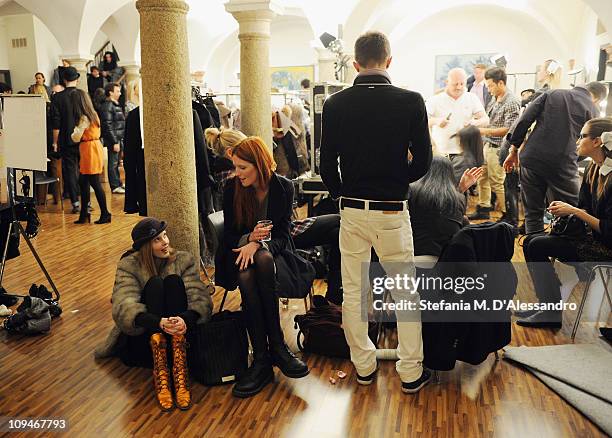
{"x":326,"y":65}
{"x":132,"y":72}
{"x":167,"y":120}
{"x":80,"y":63}
{"x":255,"y":82}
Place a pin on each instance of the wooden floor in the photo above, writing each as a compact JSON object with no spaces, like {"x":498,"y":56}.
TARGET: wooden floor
{"x":55,"y":375}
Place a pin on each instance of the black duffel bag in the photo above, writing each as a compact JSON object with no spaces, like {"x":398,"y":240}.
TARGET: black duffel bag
{"x":219,"y":349}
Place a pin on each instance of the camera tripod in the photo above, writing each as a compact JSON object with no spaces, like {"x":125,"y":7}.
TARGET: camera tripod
{"x":16,"y":225}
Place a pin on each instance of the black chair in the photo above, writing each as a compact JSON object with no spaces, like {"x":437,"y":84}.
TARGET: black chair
{"x":40,"y":178}
{"x":216,"y":224}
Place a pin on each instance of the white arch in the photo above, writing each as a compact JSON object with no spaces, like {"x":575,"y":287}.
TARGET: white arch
{"x":123,"y":29}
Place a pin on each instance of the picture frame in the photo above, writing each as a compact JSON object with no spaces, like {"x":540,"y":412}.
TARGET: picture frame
{"x":444,"y":63}
{"x":23,"y":185}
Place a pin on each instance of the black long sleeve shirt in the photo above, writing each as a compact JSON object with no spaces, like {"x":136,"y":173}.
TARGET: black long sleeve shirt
{"x":369,"y":128}
{"x":559,"y":117}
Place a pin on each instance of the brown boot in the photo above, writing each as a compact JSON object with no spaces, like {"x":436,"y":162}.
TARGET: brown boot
{"x":180,"y":373}
{"x":161,"y":375}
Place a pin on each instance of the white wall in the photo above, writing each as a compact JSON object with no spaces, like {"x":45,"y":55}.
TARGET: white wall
{"x":48,"y":50}
{"x":23,"y":61}
{"x":4,"y":57}
{"x":470,"y":30}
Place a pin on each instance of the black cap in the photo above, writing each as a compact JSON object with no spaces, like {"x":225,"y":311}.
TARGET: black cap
{"x":145,"y":230}
{"x":70,"y":74}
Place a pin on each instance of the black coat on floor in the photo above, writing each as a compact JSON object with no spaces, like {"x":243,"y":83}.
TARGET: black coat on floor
{"x":280,"y":210}
{"x":471,"y":253}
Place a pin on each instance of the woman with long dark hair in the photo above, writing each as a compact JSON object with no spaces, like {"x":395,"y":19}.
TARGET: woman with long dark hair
{"x":157,"y":299}
{"x":257,"y":194}
{"x":470,"y":143}
{"x":594,"y":208}
{"x":91,"y":161}
{"x":437,"y":205}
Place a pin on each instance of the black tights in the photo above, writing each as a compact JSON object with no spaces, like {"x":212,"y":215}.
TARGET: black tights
{"x":94,"y":180}
{"x":166,"y":297}
{"x":163,"y":298}
{"x":260,"y":303}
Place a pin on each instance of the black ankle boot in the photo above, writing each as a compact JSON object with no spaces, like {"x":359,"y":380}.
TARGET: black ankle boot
{"x":105,"y":218}
{"x":255,"y":379}
{"x":287,"y":362}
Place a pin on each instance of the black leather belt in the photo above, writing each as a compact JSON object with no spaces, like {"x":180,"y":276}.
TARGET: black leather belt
{"x":373,"y":205}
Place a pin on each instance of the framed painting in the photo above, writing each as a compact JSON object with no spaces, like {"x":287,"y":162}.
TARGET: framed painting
{"x":289,"y":78}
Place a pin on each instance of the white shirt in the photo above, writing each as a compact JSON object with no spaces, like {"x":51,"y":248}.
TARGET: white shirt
{"x":461,"y":110}
{"x":478,"y":90}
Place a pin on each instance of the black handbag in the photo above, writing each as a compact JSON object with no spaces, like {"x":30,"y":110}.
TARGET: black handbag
{"x":568,"y":226}
{"x":219,"y":349}
{"x":294,"y":274}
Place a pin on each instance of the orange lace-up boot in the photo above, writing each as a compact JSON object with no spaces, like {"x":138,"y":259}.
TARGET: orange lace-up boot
{"x":161,"y":375}
{"x":180,"y":373}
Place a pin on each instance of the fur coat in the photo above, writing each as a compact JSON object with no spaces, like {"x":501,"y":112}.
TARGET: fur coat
{"x":130,"y":280}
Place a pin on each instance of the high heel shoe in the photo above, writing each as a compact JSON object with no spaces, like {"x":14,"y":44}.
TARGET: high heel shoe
{"x":104,"y":219}
{"x":84,"y":219}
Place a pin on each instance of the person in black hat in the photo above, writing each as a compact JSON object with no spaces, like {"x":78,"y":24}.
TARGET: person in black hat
{"x":157,"y":298}
{"x":62,"y":120}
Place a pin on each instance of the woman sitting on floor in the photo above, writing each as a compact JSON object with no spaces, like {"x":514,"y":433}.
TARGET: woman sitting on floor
{"x":247,"y":259}
{"x":437,"y":206}
{"x":594,"y":208}
{"x":158,"y":296}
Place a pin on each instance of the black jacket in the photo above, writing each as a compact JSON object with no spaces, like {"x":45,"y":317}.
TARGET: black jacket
{"x":370,"y":127}
{"x":477,"y":333}
{"x":280,"y":210}
{"x":112,"y":120}
{"x":94,"y":83}
{"x":559,"y":117}
{"x":62,"y":118}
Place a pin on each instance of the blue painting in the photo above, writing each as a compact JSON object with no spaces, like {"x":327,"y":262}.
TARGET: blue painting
{"x":289,"y":78}
{"x":444,"y":63}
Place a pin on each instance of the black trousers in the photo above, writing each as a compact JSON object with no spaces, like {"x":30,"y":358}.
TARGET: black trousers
{"x":94,"y":181}
{"x":163,"y":298}
{"x":326,"y":231}
{"x":537,"y":250}
{"x":511,"y":187}
{"x":70,"y":174}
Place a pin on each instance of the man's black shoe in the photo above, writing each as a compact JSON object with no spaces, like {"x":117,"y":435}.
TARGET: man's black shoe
{"x":524,"y":313}
{"x":254,"y":379}
{"x":414,"y":387}
{"x":509,"y":220}
{"x":287,"y":362}
{"x":481,"y":213}
{"x":367,"y":380}
{"x":542,"y":319}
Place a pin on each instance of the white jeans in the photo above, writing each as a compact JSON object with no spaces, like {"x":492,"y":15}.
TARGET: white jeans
{"x":390,"y":234}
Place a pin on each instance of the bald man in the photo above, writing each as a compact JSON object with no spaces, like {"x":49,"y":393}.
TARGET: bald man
{"x":453,"y":110}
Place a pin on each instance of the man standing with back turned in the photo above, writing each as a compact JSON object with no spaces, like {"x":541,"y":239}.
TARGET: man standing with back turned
{"x":380,"y":134}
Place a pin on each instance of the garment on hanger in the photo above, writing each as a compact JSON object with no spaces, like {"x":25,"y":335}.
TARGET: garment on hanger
{"x":133,"y":163}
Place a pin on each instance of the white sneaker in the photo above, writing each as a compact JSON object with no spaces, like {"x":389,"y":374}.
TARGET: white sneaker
{"x":5,"y":311}
{"x":119,"y":190}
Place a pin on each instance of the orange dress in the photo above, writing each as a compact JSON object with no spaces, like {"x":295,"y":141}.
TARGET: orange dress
{"x":91,"y":160}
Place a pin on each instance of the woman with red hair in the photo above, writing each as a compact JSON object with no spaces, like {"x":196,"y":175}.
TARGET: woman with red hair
{"x":257,"y":194}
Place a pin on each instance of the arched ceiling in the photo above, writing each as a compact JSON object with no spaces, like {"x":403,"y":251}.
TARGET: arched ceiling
{"x":75,"y":23}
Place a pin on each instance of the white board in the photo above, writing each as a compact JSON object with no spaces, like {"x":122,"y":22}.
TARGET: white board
{"x":24,"y":133}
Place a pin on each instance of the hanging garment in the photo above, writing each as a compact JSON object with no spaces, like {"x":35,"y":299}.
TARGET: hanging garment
{"x":134,"y":165}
